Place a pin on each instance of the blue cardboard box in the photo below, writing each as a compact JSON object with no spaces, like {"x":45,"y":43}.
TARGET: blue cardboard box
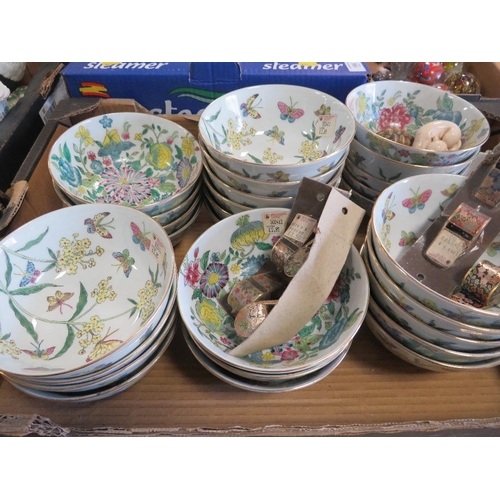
{"x":186,"y":88}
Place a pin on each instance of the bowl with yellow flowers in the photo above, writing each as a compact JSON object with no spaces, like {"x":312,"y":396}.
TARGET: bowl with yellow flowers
{"x":79,"y":286}
{"x":131,"y":159}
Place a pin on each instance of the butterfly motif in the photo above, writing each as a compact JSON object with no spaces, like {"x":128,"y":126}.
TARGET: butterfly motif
{"x":248,"y":109}
{"x":417,"y":201}
{"x":125,"y":261}
{"x":323,"y":110}
{"x":407,"y":238}
{"x":387,"y":213}
{"x":38,"y":353}
{"x":139,"y":237}
{"x":338,"y":133}
{"x":95,"y":225}
{"x":276,"y":135}
{"x":451,"y":190}
{"x":59,"y":300}
{"x":30,"y":275}
{"x":290,"y":113}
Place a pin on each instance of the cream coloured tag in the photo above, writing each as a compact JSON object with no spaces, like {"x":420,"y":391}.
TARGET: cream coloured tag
{"x":326,"y":125}
{"x":301,"y":228}
{"x":306,"y":292}
{"x":274,"y":222}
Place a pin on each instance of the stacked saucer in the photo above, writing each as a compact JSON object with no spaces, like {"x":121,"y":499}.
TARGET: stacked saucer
{"x":418,"y":324}
{"x":88,"y":303}
{"x":234,"y":249}
{"x":131,"y":159}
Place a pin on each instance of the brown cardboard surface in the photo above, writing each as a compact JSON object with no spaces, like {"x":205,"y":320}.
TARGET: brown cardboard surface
{"x":372,"y":392}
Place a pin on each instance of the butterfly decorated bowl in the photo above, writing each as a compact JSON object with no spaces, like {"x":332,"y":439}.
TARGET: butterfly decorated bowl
{"x":131,"y":159}
{"x":265,"y":185}
{"x":401,"y":215}
{"x":433,"y":326}
{"x":79,"y":285}
{"x":236,"y":248}
{"x":365,"y":178}
{"x":277,"y":130}
{"x":393,"y":104}
{"x":389,"y":170}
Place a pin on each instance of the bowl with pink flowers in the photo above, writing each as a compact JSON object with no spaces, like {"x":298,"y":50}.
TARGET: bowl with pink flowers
{"x":131,"y":159}
{"x":393,"y":116}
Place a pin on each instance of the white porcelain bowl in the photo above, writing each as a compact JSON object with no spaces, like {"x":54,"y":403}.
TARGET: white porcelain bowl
{"x":79,"y":285}
{"x":234,"y":249}
{"x":379,"y":105}
{"x":448,"y":331}
{"x":364,"y":178}
{"x":267,"y":185}
{"x":271,"y":128}
{"x":389,"y":170}
{"x":401,"y":215}
{"x":131,"y":159}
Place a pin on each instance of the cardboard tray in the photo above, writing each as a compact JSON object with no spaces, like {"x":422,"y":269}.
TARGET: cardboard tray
{"x":371,"y":393}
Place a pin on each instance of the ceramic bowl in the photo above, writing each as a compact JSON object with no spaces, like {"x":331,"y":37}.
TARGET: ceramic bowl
{"x":132,"y":159}
{"x":217,"y":212}
{"x":414,"y":358}
{"x":176,"y":236}
{"x":377,"y":106}
{"x":222,"y":201}
{"x":175,"y":213}
{"x":81,"y":285}
{"x":234,"y":249}
{"x":365,"y":203}
{"x":268,"y":129}
{"x":265,"y":185}
{"x":364,"y":178}
{"x":440,"y":329}
{"x":179,"y":223}
{"x":367,"y":192}
{"x":247,"y":199}
{"x":401,"y":215}
{"x":389,"y":170}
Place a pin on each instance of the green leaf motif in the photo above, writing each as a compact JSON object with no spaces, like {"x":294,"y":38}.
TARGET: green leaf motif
{"x":82,"y":302}
{"x":307,"y":330}
{"x":34,"y":242}
{"x":30,"y":290}
{"x":263,"y":246}
{"x":333,"y":334}
{"x":167,"y":187}
{"x":255,"y":159}
{"x":204,"y":260}
{"x":8,"y":271}
{"x":67,"y":343}
{"x":24,"y":321}
{"x":66,"y":153}
{"x":196,"y":294}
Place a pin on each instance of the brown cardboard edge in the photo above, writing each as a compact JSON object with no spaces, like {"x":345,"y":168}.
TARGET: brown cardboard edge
{"x":37,"y":425}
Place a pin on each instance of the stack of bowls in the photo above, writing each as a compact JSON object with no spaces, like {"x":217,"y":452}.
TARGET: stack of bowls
{"x":88,"y":301}
{"x":131,"y":159}
{"x":234,"y":249}
{"x":259,"y":142}
{"x":375,"y":162}
{"x":413,"y":321}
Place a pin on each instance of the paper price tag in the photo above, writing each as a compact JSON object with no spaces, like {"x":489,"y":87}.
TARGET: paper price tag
{"x":301,"y":228}
{"x":326,"y":125}
{"x":274,"y":222}
{"x":158,"y":249}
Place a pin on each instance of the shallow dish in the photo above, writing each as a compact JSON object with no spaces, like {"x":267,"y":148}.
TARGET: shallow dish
{"x":389,"y":170}
{"x":217,"y":212}
{"x":132,"y":159}
{"x":234,"y":249}
{"x":271,"y":386}
{"x":80,"y":285}
{"x":440,"y":329}
{"x":265,"y":185}
{"x":222,"y":201}
{"x":417,"y":359}
{"x":175,"y":213}
{"x":377,"y":106}
{"x":271,"y":128}
{"x":400,"y":216}
{"x":358,"y":186}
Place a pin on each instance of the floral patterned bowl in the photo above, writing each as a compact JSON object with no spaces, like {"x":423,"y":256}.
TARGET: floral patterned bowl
{"x":400,"y":216}
{"x":364,"y":178}
{"x":234,"y":249}
{"x":132,"y":159}
{"x":269,"y":185}
{"x":268,"y":129}
{"x":390,"y":171}
{"x":80,"y":285}
{"x":377,"y":106}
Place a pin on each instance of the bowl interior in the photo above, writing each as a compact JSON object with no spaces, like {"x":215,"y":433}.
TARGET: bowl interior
{"x":277,"y":125}
{"x":78,"y":284}
{"x":236,"y":248}
{"x":129,"y":159}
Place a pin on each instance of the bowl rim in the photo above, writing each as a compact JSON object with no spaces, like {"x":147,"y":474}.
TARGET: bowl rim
{"x":420,"y":86}
{"x":253,"y":88}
